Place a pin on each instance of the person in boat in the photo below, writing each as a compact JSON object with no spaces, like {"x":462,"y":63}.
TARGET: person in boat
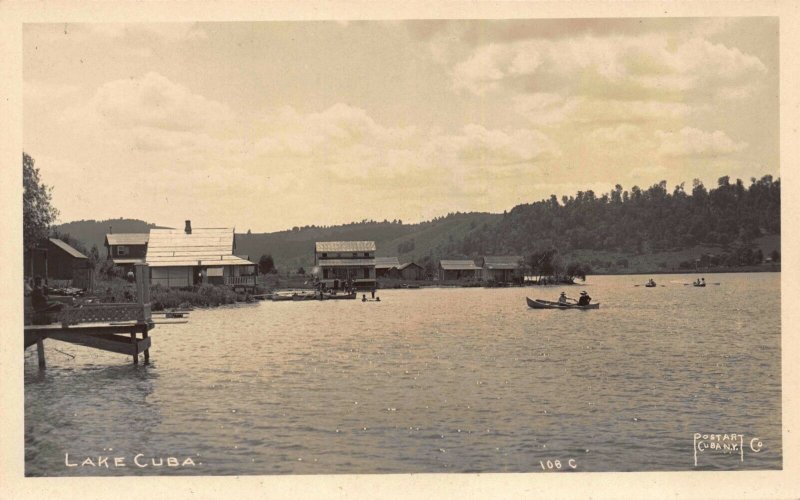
{"x":364,"y":298}
{"x":562,"y":299}
{"x":584,"y":300}
{"x":702,"y":282}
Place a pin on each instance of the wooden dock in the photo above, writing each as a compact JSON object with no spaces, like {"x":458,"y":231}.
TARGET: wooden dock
{"x":121,"y":328}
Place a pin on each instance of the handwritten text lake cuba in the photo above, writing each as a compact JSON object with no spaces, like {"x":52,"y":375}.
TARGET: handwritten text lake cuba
{"x":430,"y":380}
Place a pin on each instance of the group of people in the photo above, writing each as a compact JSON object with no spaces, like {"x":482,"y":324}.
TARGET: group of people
{"x":700,"y":282}
{"x":583,"y":300}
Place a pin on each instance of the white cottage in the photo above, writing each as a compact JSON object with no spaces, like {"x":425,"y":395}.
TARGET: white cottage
{"x":183,"y":258}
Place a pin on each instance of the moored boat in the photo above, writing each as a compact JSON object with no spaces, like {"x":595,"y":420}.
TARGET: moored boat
{"x":549,"y":304}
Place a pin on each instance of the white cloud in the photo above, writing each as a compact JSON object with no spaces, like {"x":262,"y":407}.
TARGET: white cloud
{"x":624,"y":133}
{"x":657,"y":65}
{"x":151,"y":101}
{"x":553,"y":109}
{"x":692,"y":142}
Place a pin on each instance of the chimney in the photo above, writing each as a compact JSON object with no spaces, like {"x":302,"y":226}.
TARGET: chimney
{"x":188,"y":228}
{"x":110,"y":229}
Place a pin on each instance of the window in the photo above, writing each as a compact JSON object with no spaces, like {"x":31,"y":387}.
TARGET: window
{"x":366,"y":254}
{"x":122,"y":250}
{"x":324,"y":254}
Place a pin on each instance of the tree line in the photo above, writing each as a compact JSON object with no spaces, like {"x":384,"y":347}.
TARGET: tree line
{"x":636,"y":221}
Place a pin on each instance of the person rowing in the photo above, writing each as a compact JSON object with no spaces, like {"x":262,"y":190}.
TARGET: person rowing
{"x":585,"y":299}
{"x":562,"y":299}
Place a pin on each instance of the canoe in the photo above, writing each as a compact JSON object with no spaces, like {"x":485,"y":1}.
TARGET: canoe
{"x":547,"y":304}
{"x":648,"y":285}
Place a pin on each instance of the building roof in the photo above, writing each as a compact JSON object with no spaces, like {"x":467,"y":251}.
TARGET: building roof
{"x":386,"y":262}
{"x":208,"y":246}
{"x":127,"y":238}
{"x":408,"y":264}
{"x":345,"y":246}
{"x":502,"y":262}
{"x":345,"y":262}
{"x":458,"y":265}
{"x":64,"y":246}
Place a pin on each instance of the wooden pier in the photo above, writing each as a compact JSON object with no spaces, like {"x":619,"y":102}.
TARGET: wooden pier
{"x":114,"y":327}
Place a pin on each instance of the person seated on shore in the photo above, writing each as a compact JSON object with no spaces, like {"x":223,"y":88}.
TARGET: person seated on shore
{"x":39,"y":300}
{"x":562,"y":299}
{"x":364,"y":298}
{"x":585,"y":299}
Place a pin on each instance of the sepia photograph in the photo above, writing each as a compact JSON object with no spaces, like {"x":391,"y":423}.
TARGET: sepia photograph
{"x":462,"y":246}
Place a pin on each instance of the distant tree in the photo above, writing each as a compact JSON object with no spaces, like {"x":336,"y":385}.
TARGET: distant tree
{"x":37,"y":212}
{"x":775,"y":256}
{"x":266,"y":264}
{"x":249,"y":232}
{"x":94,"y":256}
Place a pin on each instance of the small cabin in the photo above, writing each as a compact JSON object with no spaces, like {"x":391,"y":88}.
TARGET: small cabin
{"x":387,"y":267}
{"x":459,"y":270}
{"x":502,"y":269}
{"x":55,"y":260}
{"x":339,"y":262}
{"x":411,"y":271}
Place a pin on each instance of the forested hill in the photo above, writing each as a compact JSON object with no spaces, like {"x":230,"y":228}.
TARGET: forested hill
{"x":614,"y":226}
{"x":93,"y":232}
{"x":637,"y":221}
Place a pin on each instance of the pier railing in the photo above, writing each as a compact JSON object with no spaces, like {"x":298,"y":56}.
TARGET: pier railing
{"x":114,"y":312}
{"x":240,"y":280}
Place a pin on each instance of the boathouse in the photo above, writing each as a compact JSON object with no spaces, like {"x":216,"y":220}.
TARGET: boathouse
{"x":411,"y":271}
{"x":126,"y":249}
{"x":337,"y":262}
{"x":502,"y":269}
{"x":183,"y":258}
{"x":458,"y":270}
{"x":55,"y":260}
{"x":387,"y":267}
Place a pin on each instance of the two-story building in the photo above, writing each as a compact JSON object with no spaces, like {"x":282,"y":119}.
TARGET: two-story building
{"x":339,"y":262}
{"x":126,"y":249}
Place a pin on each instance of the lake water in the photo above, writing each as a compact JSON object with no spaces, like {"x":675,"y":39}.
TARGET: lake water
{"x":429,"y":380}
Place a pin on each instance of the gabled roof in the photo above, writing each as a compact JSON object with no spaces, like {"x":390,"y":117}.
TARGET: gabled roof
{"x":64,"y":246}
{"x":208,"y":246}
{"x":409,"y":264}
{"x":501,"y":262}
{"x":386,"y":262}
{"x":127,"y":238}
{"x":345,"y":246}
{"x":458,"y":265}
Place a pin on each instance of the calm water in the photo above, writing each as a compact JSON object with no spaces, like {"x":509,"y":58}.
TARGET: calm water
{"x":437,"y":380}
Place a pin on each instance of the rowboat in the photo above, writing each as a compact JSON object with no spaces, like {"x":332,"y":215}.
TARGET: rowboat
{"x":548,"y":304}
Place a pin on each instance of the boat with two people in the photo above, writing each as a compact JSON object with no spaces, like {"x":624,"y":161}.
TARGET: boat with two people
{"x":584,"y":302}
{"x":699,"y":282}
{"x":650,"y":283}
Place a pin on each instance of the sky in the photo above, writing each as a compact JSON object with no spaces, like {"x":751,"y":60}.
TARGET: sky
{"x":268,"y":125}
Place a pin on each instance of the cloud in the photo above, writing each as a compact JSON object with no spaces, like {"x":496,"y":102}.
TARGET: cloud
{"x":152,"y":101}
{"x":545,"y":108}
{"x":692,"y":142}
{"x":653,"y":66}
